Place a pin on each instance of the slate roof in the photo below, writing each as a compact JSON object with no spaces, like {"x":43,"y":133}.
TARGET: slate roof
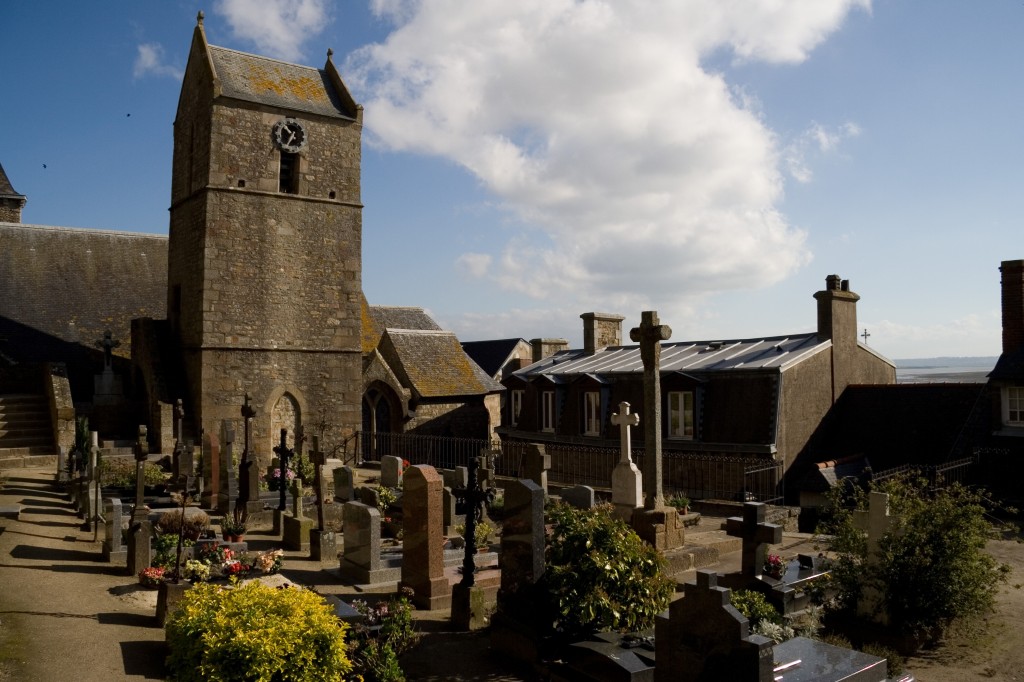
{"x":772,"y":353}
{"x":252,"y":78}
{"x":64,"y":286}
{"x":6,"y":189}
{"x":899,"y":424}
{"x":1009,"y":367}
{"x":491,"y":355}
{"x":435,"y":365}
{"x":378,"y":318}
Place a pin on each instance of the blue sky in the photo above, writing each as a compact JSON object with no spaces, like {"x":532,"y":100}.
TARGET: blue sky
{"x":527,"y":162}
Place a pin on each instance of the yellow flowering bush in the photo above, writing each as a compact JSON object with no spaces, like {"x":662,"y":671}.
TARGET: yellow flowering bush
{"x":255,"y":633}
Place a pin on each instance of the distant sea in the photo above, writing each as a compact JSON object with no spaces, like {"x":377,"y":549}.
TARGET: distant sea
{"x":944,"y":370}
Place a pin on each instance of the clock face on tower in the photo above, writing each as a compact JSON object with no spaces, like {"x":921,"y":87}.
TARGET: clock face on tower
{"x":289,"y":135}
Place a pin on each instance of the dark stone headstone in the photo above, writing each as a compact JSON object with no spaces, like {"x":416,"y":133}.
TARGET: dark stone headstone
{"x":140,"y":551}
{"x":579,"y":496}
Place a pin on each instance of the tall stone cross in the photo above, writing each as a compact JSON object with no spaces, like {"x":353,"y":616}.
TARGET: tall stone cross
{"x":108,"y":343}
{"x":649,"y":335}
{"x":248,"y":472}
{"x":756,"y":535}
{"x":876,"y":521}
{"x":624,"y":419}
{"x":317,"y":458}
{"x":284,"y":453}
{"x":179,"y":421}
{"x":141,"y":454}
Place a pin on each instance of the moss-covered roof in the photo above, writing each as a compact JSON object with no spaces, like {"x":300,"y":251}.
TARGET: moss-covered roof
{"x":379,"y":318}
{"x":434,"y":364}
{"x":253,"y":78}
{"x":6,"y":189}
{"x":61,"y":286}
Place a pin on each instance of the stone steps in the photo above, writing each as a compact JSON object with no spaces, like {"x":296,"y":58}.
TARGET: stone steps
{"x":26,"y":434}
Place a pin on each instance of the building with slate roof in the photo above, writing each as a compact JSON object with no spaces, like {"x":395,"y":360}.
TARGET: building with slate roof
{"x":256,"y":291}
{"x":758,"y":397}
{"x":500,"y":356}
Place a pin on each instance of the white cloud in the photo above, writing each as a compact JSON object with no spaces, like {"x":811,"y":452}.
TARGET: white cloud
{"x":646,"y":176}
{"x":149,"y":61}
{"x":476,"y":264}
{"x":277,"y":28}
{"x":966,"y":336}
{"x":818,"y":140}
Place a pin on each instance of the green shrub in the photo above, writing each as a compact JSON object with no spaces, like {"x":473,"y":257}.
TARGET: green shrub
{"x":600,"y":574}
{"x":892,"y":658}
{"x":196,"y":524}
{"x":482,"y":533}
{"x":120,"y":473}
{"x":375,"y":651}
{"x":755,"y":607}
{"x":932,"y":567}
{"x":255,"y":633}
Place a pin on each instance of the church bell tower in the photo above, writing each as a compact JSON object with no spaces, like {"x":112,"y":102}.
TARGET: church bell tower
{"x":264,"y":257}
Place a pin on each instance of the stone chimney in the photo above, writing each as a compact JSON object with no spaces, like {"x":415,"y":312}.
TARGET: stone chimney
{"x":601,"y":330}
{"x":11,"y":202}
{"x":543,"y":348}
{"x":1013,"y":304}
{"x":837,"y":313}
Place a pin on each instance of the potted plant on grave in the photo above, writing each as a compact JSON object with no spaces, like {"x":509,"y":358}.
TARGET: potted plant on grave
{"x":680,"y":502}
{"x":774,"y":566}
{"x":233,"y":527}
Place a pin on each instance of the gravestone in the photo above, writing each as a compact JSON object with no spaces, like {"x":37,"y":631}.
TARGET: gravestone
{"x":179,"y":441}
{"x":611,"y":657}
{"x":344,"y":484}
{"x":228,"y":482}
{"x":422,"y":548}
{"x":876,"y":522}
{"x":113,"y":544}
{"x":536,"y":463}
{"x":656,"y":524}
{"x":455,"y":478}
{"x":92,"y":497}
{"x":297,"y":526}
{"x":140,"y":551}
{"x":211,"y":471}
{"x":361,"y":560}
{"x":579,"y":496}
{"x":704,"y":637}
{"x":450,"y":516}
{"x":322,"y":543}
{"x":627,"y":481}
{"x":248,"y":467}
{"x":757,"y":536}
{"x":517,"y":624}
{"x":140,"y":513}
{"x":390,"y":471}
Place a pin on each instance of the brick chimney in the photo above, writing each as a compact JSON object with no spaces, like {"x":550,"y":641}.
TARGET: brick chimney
{"x":837,"y":312}
{"x":601,"y":330}
{"x":543,"y":348}
{"x":1013,"y":304}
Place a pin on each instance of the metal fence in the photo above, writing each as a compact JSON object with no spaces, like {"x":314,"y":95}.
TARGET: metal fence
{"x":938,"y":476}
{"x":698,"y":476}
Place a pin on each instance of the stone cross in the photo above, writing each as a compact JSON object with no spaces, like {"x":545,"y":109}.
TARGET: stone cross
{"x":179,"y":421}
{"x":141,"y":454}
{"x":248,"y":473}
{"x":875,"y":521}
{"x":624,"y":419}
{"x":108,"y":344}
{"x":317,"y":458}
{"x":297,"y":492}
{"x":649,"y":335}
{"x":284,"y":453}
{"x":756,"y":534}
{"x":228,"y":482}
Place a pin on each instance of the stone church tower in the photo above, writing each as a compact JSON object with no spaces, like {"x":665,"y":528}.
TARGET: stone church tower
{"x":264,"y":256}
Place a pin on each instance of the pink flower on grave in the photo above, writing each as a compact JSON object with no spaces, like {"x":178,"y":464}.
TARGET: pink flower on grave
{"x":277,"y":475}
{"x":774,"y":565}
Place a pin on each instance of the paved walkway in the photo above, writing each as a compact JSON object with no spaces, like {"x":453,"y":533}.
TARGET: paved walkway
{"x":67,"y":614}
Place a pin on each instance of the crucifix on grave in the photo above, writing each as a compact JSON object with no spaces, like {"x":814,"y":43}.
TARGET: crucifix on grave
{"x":627,"y":482}
{"x":179,"y":440}
{"x":649,"y":335}
{"x":757,"y":535}
{"x":248,"y":472}
{"x":284,"y":453}
{"x":107,"y":344}
{"x":140,"y":513}
{"x":317,"y":458}
{"x":876,"y":522}
{"x":467,"y":598}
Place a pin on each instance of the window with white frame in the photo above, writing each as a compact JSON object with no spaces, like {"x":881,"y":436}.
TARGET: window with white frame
{"x":1013,"y":406}
{"x":547,"y":411}
{"x":680,"y":414}
{"x":592,"y":413}
{"x":516,"y":407}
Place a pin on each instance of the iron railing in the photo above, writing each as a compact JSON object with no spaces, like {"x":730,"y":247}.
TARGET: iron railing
{"x":698,"y":476}
{"x":937,"y":476}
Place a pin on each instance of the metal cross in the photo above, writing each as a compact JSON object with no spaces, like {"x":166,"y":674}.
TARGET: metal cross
{"x":865,"y":336}
{"x":284,"y":453}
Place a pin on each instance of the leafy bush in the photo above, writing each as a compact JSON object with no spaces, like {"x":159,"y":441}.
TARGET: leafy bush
{"x":196,"y":524}
{"x":375,"y":651}
{"x":600,"y":574}
{"x":257,"y":634}
{"x":119,"y":472}
{"x":755,"y":607}
{"x":165,"y":549}
{"x":482,"y":533}
{"x":932,"y":566}
{"x":892,"y":658}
